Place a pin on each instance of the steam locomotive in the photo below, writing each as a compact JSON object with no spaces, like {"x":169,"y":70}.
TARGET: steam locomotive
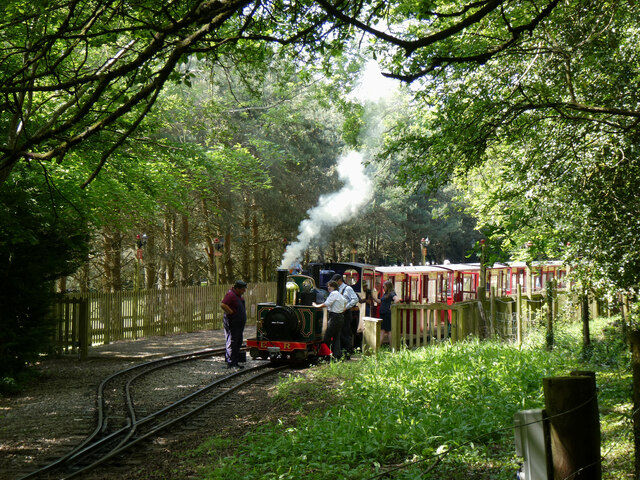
{"x":292,"y":328}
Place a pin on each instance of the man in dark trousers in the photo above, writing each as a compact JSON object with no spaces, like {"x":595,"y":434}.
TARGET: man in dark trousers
{"x":346,"y":339}
{"x":235,"y":318}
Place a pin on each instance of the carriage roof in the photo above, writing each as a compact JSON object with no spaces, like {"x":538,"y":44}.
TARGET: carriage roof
{"x":418,"y":269}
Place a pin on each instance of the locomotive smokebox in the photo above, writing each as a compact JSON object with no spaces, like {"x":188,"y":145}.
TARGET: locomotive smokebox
{"x":281,"y":292}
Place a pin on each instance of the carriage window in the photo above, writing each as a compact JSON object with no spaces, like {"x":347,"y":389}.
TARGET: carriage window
{"x":415,"y":291}
{"x":444,"y":287}
{"x":468,"y":290}
{"x":432,"y":288}
{"x":351,"y":277}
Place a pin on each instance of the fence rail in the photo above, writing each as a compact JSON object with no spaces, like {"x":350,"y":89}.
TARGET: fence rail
{"x":101,"y":318}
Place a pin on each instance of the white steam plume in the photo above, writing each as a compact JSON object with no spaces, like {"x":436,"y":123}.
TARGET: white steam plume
{"x":333,"y":209}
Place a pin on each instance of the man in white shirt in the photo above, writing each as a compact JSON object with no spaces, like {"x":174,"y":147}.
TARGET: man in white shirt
{"x":353,"y":300}
{"x":335,"y":304}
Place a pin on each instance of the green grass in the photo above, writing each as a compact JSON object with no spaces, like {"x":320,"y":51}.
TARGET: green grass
{"x":443,"y":412}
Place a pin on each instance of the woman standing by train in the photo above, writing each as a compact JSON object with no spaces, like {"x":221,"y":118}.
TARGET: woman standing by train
{"x":388,"y":298}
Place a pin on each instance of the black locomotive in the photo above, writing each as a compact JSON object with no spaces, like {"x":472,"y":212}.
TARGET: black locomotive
{"x":292,"y":328}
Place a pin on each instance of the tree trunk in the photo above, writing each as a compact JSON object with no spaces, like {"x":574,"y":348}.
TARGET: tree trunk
{"x":244,"y":243}
{"x":264,"y":263}
{"x":227,"y":270}
{"x":185,"y":270}
{"x":84,"y":279}
{"x":255,"y":239}
{"x":169,"y":251}
{"x":62,"y":285}
{"x":151,"y":263}
{"x":210,"y":248}
{"x":112,"y":246}
{"x":586,"y":337}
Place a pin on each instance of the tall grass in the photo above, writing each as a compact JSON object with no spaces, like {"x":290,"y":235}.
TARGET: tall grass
{"x":443,"y":412}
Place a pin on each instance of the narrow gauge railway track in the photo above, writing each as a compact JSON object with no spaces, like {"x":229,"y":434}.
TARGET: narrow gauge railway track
{"x":120,"y":425}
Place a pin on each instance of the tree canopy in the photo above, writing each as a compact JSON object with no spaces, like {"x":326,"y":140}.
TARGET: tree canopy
{"x":554,"y":81}
{"x":550,"y":123}
{"x":87,"y":72}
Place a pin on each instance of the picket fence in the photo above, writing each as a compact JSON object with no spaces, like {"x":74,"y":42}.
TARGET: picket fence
{"x":508,"y":318}
{"x":100,"y":318}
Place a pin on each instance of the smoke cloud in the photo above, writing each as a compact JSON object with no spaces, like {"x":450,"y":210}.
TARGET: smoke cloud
{"x":333,"y":209}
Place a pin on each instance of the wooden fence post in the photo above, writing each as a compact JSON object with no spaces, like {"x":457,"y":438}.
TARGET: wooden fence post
{"x":571,"y":405}
{"x":586,"y":336}
{"x":453,"y":324}
{"x":492,"y":312}
{"x":394,"y":341}
{"x":84,"y":334}
{"x":550,"y":294}
{"x":519,"y":316}
{"x":634,"y":339}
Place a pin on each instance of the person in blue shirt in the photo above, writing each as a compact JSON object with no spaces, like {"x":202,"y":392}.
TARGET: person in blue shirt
{"x":351,"y":317}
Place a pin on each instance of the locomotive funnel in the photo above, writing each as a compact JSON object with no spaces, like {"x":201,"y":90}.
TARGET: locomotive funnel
{"x":315,"y":274}
{"x":281,"y":292}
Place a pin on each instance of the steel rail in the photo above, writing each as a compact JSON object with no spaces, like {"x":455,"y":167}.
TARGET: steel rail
{"x":130,"y":442}
{"x":101,"y":423}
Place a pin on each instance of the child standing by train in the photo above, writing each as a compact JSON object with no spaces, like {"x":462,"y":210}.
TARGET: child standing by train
{"x":335,"y":304}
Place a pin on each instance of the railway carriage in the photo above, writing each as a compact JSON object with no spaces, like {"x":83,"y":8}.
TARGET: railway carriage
{"x":449,"y":283}
{"x":453,"y":283}
{"x":532,"y":277}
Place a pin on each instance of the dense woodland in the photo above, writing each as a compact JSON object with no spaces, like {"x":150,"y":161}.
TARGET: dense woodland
{"x":517,"y":121}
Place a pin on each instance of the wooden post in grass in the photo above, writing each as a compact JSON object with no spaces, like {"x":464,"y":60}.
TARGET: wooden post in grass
{"x":550,"y":294}
{"x":492,"y":313}
{"x":571,"y":405}
{"x":586,"y":336}
{"x":519,"y":316}
{"x":371,"y":337}
{"x":634,"y":339}
{"x":394,"y":341}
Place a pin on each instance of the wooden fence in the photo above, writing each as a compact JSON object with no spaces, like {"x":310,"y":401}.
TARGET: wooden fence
{"x":507,"y":318}
{"x":101,"y":318}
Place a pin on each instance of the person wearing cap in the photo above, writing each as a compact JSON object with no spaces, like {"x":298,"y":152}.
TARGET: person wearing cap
{"x":346,"y":337}
{"x":235,"y":318}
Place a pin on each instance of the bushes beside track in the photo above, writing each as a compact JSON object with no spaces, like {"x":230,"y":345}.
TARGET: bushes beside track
{"x":447,"y":410}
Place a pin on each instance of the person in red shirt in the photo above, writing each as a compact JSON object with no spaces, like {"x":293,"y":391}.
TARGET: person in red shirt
{"x":235,"y":318}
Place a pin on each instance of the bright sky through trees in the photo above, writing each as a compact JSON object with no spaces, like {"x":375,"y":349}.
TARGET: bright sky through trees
{"x":373,"y":86}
